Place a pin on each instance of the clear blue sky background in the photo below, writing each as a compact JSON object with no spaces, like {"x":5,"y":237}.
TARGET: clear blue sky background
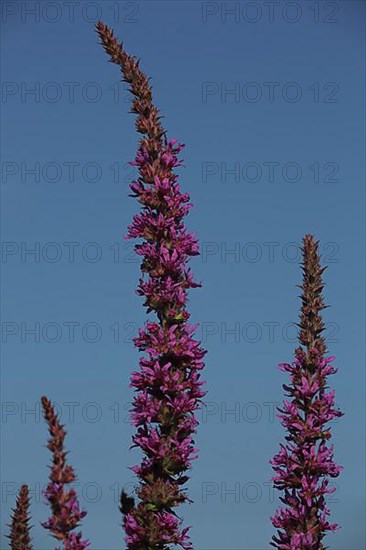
{"x":316,"y":123}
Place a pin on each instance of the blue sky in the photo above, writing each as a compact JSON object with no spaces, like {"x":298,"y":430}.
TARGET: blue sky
{"x":269,"y":100}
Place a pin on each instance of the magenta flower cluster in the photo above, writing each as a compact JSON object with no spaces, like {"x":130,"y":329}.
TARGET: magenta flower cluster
{"x":68,"y":516}
{"x":305,"y":464}
{"x":168,"y":386}
{"x":66,"y":513}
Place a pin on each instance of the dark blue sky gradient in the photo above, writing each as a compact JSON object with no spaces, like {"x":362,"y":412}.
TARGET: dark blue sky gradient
{"x":270,"y":105}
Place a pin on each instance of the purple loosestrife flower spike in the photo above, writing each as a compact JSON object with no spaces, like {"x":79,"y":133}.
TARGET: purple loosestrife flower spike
{"x":305,"y":463}
{"x":19,"y":534}
{"x":64,"y":503}
{"x":167,"y":385}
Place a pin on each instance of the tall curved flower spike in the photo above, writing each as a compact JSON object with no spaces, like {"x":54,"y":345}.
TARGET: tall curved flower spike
{"x":19,"y":535}
{"x":64,"y":503}
{"x":305,"y":463}
{"x":167,"y":386}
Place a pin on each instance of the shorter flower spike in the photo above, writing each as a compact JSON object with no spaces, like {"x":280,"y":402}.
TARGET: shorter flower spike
{"x":19,"y":534}
{"x":66,"y":513}
{"x":304,"y":465}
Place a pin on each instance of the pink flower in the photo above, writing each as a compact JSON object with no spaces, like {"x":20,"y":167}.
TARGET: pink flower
{"x":66,"y":513}
{"x":167,"y":386}
{"x":304,"y":465}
